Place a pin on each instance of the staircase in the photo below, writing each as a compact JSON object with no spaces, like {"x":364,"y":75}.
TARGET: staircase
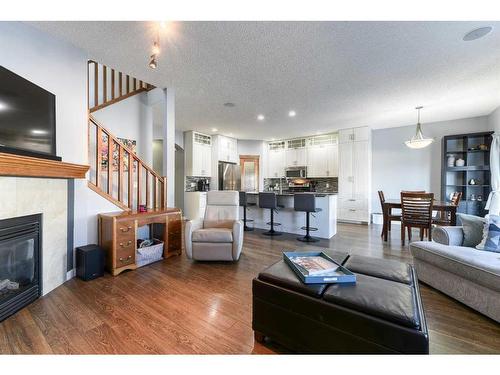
{"x":116,"y":172}
{"x":107,"y":86}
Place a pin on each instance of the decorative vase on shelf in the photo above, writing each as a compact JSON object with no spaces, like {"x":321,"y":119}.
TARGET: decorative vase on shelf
{"x":451,"y":160}
{"x":460,"y":162}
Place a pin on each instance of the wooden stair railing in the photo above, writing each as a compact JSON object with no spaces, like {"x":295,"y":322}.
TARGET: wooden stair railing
{"x":107,"y":86}
{"x":119,"y":175}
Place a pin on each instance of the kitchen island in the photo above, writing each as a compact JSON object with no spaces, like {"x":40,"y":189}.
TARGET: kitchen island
{"x":291,"y":220}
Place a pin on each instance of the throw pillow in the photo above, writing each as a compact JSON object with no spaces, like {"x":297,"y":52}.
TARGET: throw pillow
{"x":491,"y":234}
{"x":473,"y":229}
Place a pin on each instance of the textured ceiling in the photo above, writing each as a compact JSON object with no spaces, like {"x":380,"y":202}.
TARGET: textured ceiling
{"x":333,"y":74}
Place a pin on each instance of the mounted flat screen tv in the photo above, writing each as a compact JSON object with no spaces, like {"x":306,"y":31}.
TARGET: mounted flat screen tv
{"x":27,"y":117}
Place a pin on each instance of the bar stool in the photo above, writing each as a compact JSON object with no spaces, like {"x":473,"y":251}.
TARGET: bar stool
{"x":306,"y":202}
{"x":269,"y":200}
{"x":244,"y":203}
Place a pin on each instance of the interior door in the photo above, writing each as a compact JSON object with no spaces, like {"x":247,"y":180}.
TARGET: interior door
{"x":249,"y":172}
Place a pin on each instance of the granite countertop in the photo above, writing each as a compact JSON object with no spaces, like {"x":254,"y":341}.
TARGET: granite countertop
{"x":319,"y":195}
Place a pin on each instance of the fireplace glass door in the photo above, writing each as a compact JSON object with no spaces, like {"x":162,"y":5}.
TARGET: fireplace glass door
{"x":19,"y":263}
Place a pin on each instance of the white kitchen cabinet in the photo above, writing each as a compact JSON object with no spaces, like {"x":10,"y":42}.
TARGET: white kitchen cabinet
{"x":198,"y":154}
{"x":354,"y":134}
{"x":354,"y":174}
{"x":296,"y":157}
{"x":322,"y":161}
{"x":276,"y":163}
{"x":227,"y":149}
{"x":296,"y":154}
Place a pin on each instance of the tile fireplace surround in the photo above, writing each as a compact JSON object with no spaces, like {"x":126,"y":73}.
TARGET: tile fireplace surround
{"x":20,"y":196}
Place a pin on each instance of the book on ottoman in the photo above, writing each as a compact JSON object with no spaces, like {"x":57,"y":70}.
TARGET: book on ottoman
{"x":316,"y":267}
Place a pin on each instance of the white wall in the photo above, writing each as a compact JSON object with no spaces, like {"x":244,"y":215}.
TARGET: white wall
{"x":494,"y":120}
{"x":179,"y":138}
{"x":130,"y":119}
{"x":255,"y":147}
{"x":397,"y":167}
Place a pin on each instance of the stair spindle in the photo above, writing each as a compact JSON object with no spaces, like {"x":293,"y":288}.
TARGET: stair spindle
{"x":112,"y":84}
{"x":104,"y":84}
{"x":96,"y":84}
{"x":121,"y":152}
{"x":98,"y":157}
{"x":120,"y":83}
{"x":130,"y":180}
{"x":147,"y":189}
{"x":139,"y":180}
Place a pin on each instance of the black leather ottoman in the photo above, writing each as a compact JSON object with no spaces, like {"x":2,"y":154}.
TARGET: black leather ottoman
{"x":381,"y":313}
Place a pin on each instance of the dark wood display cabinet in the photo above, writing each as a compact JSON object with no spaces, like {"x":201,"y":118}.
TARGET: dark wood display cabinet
{"x":473,"y":177}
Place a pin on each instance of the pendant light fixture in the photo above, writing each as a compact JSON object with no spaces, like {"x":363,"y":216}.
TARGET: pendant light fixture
{"x":418,"y":140}
{"x":155,"y":51}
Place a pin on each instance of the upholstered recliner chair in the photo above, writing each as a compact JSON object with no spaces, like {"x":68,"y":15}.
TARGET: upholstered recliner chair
{"x":219,"y":235}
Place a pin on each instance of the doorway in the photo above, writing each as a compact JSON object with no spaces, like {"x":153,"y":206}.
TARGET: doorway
{"x":249,"y":173}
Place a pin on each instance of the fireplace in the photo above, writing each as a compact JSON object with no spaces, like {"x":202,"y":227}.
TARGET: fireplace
{"x":20,"y":263}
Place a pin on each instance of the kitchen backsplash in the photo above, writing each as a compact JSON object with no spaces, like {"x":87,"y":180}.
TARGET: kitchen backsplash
{"x":322,"y":185}
{"x":192,"y":181}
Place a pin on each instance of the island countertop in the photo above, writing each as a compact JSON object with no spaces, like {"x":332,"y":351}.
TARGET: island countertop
{"x":292,"y":221}
{"x":316,"y":194}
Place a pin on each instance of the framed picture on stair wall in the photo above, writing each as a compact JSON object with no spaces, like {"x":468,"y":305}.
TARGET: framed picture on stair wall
{"x":129,"y":143}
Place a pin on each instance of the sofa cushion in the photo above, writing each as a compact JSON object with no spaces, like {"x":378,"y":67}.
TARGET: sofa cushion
{"x":281,"y":274}
{"x":213,"y":235}
{"x":383,"y":268}
{"x":473,"y":229}
{"x":491,"y":235}
{"x":388,"y":300}
{"x":480,"y":267}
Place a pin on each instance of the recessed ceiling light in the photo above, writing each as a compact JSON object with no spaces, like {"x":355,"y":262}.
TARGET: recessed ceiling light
{"x":38,"y":132}
{"x":3,"y":106}
{"x":291,"y":114}
{"x":229,"y":104}
{"x":261,"y":117}
{"x":477,"y":33}
{"x":215,"y":129}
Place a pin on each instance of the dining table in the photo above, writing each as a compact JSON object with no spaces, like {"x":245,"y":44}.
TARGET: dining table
{"x":441,"y":206}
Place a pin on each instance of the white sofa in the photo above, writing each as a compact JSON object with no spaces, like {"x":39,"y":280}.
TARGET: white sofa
{"x":219,"y":235}
{"x":471,"y":276}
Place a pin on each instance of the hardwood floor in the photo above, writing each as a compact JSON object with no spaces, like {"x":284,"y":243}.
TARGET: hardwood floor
{"x":180,"y":306}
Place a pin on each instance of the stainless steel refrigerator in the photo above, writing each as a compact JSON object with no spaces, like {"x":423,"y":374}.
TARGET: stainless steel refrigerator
{"x":229,"y":176}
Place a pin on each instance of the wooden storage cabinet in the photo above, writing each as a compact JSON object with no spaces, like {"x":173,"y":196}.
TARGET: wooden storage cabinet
{"x":118,"y":235}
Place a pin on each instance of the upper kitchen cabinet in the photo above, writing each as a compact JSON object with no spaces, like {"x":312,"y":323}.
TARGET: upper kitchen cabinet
{"x":354,"y":134}
{"x":276,"y":159}
{"x":354,"y":175}
{"x":322,"y":156}
{"x":226,"y":149}
{"x":295,"y":154}
{"x":198,"y":154}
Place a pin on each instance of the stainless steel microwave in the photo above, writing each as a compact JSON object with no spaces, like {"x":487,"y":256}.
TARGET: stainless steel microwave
{"x":296,"y":172}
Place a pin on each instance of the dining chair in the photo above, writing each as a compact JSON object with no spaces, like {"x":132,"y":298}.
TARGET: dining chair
{"x":416,"y":212}
{"x":412,"y":191}
{"x":390,"y":217}
{"x":444,"y":218}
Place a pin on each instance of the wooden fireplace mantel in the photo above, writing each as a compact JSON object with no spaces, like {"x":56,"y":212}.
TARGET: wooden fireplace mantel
{"x":25,"y":166}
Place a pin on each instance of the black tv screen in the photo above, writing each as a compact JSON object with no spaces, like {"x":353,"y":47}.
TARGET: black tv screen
{"x":27,"y":117}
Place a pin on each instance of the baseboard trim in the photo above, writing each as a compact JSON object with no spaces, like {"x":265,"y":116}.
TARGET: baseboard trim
{"x":70,"y":274}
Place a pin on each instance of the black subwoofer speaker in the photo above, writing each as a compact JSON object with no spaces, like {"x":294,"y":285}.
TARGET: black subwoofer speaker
{"x":89,"y":262}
